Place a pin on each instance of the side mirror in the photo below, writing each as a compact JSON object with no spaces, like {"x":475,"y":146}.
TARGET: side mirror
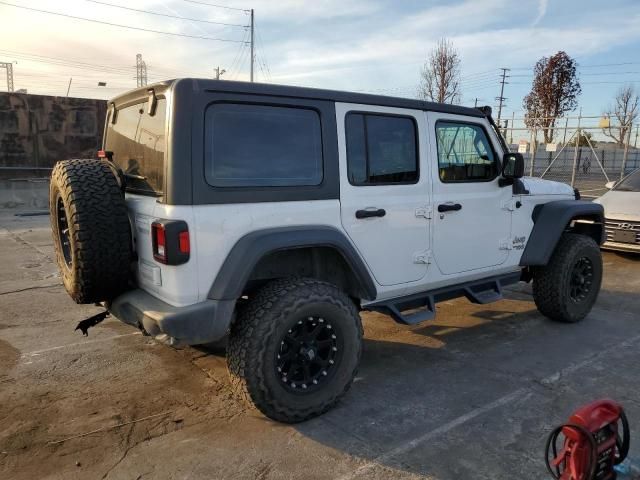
{"x":610,"y":184}
{"x":513,"y":165}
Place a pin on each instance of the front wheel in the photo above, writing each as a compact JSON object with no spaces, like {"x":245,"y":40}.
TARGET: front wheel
{"x":294,"y":349}
{"x":567,"y":287}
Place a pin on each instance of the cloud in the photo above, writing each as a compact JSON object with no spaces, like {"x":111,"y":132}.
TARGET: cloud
{"x":542,"y":10}
{"x":343,"y":44}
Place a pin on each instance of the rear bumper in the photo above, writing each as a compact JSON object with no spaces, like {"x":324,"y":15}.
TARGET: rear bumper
{"x":195,"y":324}
{"x":621,"y":247}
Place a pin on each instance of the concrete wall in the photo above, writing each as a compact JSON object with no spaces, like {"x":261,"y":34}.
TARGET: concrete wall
{"x":38,"y":130}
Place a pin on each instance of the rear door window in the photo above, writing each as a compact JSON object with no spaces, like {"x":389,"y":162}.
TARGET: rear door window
{"x":137,"y":142}
{"x":262,"y":146}
{"x":381,"y":149}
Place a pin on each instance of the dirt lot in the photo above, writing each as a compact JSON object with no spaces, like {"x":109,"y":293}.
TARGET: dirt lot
{"x":471,"y":395}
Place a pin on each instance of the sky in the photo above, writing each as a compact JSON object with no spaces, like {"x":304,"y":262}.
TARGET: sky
{"x":376,"y":46}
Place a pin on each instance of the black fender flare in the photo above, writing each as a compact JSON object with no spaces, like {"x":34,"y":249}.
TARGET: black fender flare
{"x":550,"y":221}
{"x":248,"y":251}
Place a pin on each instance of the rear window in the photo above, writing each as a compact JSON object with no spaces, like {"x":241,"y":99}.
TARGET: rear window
{"x":137,"y":142}
{"x":262,"y":146}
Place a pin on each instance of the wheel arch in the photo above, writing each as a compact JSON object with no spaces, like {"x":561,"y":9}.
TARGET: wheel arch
{"x":319,"y":251}
{"x":552,"y":219}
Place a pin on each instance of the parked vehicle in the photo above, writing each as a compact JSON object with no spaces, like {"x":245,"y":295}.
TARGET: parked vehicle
{"x":276,"y":214}
{"x":622,"y":214}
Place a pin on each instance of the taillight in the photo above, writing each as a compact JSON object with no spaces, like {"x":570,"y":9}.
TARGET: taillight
{"x":183,"y":242}
{"x":170,"y":241}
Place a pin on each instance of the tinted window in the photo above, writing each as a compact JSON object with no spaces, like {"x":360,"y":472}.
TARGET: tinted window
{"x":137,"y":141}
{"x":258,"y":145}
{"x":464,"y":153}
{"x":381,"y":149}
{"x":631,"y":183}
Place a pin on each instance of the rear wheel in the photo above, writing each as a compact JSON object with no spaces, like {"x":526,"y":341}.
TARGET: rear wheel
{"x":567,"y":287}
{"x":294,"y":348}
{"x":91,"y":230}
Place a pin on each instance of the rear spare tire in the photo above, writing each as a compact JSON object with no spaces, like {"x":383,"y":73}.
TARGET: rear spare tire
{"x":91,"y":230}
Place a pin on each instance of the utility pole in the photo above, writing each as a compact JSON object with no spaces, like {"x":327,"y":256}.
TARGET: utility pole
{"x":9,"y":67}
{"x":219,"y":72}
{"x":141,"y":71}
{"x":69,"y":87}
{"x":252,"y":44}
{"x":476,"y":104}
{"x":501,"y":97}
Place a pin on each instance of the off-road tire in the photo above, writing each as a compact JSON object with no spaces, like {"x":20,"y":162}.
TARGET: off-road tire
{"x":94,"y":261}
{"x":552,"y":283}
{"x":254,"y":341}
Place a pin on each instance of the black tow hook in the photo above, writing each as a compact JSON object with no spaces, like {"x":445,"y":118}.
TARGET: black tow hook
{"x":85,"y":325}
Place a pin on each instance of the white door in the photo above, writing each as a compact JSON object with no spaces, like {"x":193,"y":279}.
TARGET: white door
{"x":472,"y":213}
{"x":384,"y":189}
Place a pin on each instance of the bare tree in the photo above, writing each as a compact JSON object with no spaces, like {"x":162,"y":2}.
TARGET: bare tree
{"x":440,"y":76}
{"x":554,"y":92}
{"x":625,"y":110}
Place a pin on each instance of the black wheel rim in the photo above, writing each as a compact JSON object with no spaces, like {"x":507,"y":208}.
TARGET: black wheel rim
{"x":63,"y":232}
{"x":308,"y":354}
{"x":581,"y":279}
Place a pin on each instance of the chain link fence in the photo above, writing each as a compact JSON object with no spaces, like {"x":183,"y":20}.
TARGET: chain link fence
{"x":581,"y":151}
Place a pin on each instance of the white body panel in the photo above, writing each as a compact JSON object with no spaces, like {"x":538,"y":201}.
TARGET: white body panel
{"x":177,"y":285}
{"x":413,"y":248}
{"x":391,"y":244}
{"x":469,"y":239}
{"x":621,"y":212}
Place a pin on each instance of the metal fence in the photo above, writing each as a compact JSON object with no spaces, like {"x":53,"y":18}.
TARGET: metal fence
{"x":580,"y":153}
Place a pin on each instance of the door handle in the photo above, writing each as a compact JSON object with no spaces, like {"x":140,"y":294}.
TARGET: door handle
{"x":449,"y":207}
{"x":380,"y":212}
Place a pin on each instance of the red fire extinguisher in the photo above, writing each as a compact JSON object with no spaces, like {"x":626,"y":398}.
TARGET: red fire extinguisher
{"x":596,"y":438}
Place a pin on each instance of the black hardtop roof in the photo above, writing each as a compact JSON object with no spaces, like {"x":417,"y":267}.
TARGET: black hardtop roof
{"x":268,"y":89}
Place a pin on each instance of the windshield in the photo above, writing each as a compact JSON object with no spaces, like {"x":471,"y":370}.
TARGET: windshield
{"x":136,"y":142}
{"x":631,"y":183}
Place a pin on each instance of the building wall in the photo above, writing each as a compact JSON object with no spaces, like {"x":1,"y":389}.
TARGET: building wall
{"x":38,"y":130}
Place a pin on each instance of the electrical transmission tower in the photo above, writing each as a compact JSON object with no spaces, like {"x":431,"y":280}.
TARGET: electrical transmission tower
{"x":9,"y":67}
{"x":141,"y":71}
{"x":501,"y":98}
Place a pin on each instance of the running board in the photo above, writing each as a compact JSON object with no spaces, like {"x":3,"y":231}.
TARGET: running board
{"x":421,"y":307}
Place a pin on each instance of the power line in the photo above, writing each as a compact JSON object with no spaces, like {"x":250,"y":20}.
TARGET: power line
{"x":236,"y":58}
{"x":263,"y":49}
{"x":121,"y":26}
{"x":124,"y":70}
{"x":591,"y":83}
{"x":167,"y":15}
{"x":218,"y":6}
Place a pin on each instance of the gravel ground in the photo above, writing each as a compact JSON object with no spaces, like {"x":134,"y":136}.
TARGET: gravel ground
{"x":472,"y":394}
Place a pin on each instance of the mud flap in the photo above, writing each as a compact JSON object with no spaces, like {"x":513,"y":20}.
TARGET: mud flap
{"x":86,"y":324}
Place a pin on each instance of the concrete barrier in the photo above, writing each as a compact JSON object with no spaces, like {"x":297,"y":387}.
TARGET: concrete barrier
{"x":21,"y":193}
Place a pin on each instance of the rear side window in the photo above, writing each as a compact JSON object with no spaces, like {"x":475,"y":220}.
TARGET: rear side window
{"x":381,"y":149}
{"x":262,"y":146}
{"x":137,"y":142}
{"x":464,"y":153}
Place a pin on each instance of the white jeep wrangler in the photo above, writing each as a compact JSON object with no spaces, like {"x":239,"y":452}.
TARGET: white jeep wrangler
{"x":276,"y":214}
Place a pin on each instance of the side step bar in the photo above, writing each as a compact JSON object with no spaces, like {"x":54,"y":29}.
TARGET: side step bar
{"x":420,"y":307}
